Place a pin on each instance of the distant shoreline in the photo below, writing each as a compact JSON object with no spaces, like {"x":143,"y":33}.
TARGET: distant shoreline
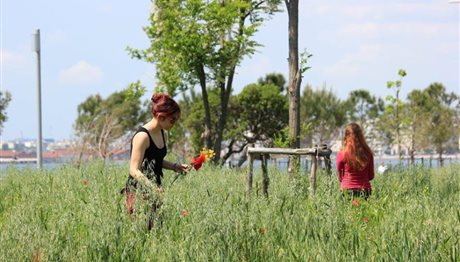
{"x":425,"y":156}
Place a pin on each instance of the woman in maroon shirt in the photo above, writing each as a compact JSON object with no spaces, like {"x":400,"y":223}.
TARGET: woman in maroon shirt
{"x":355,"y":163}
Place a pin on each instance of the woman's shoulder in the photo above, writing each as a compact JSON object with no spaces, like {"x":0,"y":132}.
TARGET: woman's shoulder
{"x":141,"y":138}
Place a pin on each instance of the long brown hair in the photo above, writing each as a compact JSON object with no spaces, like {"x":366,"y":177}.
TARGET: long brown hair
{"x":356,"y":151}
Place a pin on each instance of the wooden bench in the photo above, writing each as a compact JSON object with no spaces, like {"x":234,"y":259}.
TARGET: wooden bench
{"x":263,"y":154}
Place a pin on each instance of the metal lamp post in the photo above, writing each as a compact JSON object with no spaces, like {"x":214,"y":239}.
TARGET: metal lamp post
{"x":36,"y":49}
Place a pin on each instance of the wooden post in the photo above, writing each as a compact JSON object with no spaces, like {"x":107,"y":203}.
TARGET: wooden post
{"x":265,"y":179}
{"x":250,"y":173}
{"x":264,"y":153}
{"x":328,"y":164}
{"x":327,"y":160}
{"x":314,"y":164}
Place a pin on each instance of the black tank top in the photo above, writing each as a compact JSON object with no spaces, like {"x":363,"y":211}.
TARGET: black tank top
{"x":152,"y":164}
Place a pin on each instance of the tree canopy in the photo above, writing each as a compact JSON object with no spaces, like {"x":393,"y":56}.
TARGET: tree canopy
{"x":5,"y":98}
{"x":202,"y":42}
{"x":102,"y":122}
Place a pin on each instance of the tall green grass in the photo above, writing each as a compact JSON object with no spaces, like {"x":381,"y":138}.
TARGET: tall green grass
{"x":74,"y":214}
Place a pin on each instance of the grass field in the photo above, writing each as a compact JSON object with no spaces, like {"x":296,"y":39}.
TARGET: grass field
{"x":71,"y":214}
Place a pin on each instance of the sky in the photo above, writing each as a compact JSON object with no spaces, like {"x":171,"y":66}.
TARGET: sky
{"x":355,"y":45}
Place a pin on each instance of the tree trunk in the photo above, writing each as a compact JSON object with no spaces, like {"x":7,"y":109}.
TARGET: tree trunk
{"x":440,"y":161}
{"x":225,"y":92}
{"x":207,"y":111}
{"x":412,"y":147}
{"x":398,"y":133}
{"x":294,"y":81}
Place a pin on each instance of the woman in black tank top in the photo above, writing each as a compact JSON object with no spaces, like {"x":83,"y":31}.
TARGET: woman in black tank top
{"x":148,"y":150}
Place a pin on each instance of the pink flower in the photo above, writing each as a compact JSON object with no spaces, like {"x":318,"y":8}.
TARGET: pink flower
{"x":184,"y":213}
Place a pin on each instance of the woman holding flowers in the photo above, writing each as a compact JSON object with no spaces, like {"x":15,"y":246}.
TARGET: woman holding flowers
{"x":148,"y":150}
{"x":355,"y":163}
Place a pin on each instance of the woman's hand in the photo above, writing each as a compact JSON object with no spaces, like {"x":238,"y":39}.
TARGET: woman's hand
{"x":179,"y":168}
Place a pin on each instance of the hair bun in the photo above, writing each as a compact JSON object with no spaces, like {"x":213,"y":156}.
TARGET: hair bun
{"x":158,"y":96}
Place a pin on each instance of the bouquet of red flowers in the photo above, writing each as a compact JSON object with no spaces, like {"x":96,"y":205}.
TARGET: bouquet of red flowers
{"x":197,"y":162}
{"x":205,"y":154}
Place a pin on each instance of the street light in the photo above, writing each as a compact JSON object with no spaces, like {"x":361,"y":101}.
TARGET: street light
{"x":36,"y":49}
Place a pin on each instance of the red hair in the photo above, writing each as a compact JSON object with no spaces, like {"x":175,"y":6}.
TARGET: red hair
{"x":163,"y":105}
{"x":356,"y":151}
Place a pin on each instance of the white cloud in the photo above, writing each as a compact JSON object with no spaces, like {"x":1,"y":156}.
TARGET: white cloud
{"x":419,"y":29}
{"x":12,"y":58}
{"x":107,"y":8}
{"x":379,"y":10}
{"x":81,"y":73}
{"x":355,"y":64}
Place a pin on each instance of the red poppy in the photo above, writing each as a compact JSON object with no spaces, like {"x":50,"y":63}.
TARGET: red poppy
{"x":184,"y":213}
{"x":355,"y":202}
{"x":198,"y":162}
{"x":85,"y":182}
{"x":366,"y":220}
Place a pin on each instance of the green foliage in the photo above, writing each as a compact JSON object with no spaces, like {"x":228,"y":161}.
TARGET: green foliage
{"x":276,"y":79}
{"x":282,"y":139}
{"x":72,"y":214}
{"x":256,"y":115}
{"x":202,"y":42}
{"x":188,"y":34}
{"x":263,"y":111}
{"x":5,"y":98}
{"x":323,"y":112}
{"x":193,"y":120}
{"x":439,"y":106}
{"x":304,"y":56}
{"x":392,"y":122}
{"x":415,"y":113}
{"x":101,"y":122}
{"x":362,"y":107}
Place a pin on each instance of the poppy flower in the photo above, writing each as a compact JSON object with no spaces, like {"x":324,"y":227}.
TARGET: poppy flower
{"x":366,"y":220}
{"x":262,"y":231}
{"x":184,"y":213}
{"x":198,"y":161}
{"x":85,"y":182}
{"x":355,"y":202}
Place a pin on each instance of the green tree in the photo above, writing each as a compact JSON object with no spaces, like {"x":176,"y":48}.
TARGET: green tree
{"x":274,"y":78}
{"x":394,"y":108}
{"x":5,"y":98}
{"x":323,"y":112}
{"x":256,"y":115}
{"x":441,"y":123}
{"x":103,"y":125}
{"x":415,"y":114}
{"x":202,"y":42}
{"x":260,"y":113}
{"x":363,"y":108}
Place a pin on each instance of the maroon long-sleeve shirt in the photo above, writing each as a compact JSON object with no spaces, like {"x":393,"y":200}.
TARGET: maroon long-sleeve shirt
{"x":352,"y":179}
